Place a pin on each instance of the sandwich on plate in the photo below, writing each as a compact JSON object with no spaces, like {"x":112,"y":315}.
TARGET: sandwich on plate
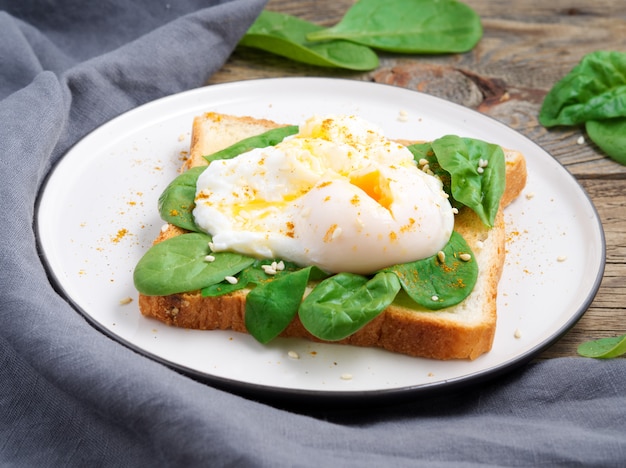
{"x":331,"y":232}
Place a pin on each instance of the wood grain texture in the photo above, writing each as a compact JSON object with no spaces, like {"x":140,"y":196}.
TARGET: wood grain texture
{"x":527,"y":46}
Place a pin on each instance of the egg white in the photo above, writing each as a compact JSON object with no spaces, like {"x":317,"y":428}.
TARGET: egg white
{"x":337,"y":195}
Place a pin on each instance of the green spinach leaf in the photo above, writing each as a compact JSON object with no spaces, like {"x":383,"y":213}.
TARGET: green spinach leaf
{"x":273,"y":300}
{"x":477,"y":173}
{"x":610,"y":136}
{"x":604,"y":348}
{"x":273,"y":304}
{"x":424,"y":151}
{"x":248,"y":277}
{"x":408,"y":26}
{"x":436,"y":283}
{"x":345,"y":302}
{"x":269,"y":138}
{"x":285,"y":35}
{"x":178,"y":265}
{"x":176,"y":203}
{"x":595,"y":89}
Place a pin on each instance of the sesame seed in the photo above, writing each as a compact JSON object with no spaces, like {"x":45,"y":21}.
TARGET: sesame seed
{"x":346,"y":376}
{"x":211,"y":246}
{"x":126,"y":300}
{"x":231,"y":279}
{"x":435,"y":298}
{"x":164,"y":227}
{"x":455,"y":210}
{"x":209,"y":258}
{"x":423,"y":162}
{"x":293,"y":355}
{"x":336,"y":233}
{"x":268,"y":269}
{"x":581,"y":140}
{"x":480,"y":170}
{"x":280,"y":266}
{"x":403,"y":116}
{"x":465,"y":257}
{"x":483,"y":162}
{"x":530,"y":196}
{"x":479,"y":244}
{"x":441,"y":255}
{"x":561,"y":258}
{"x":517,"y":334}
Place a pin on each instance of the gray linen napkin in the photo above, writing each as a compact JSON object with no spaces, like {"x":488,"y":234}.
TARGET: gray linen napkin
{"x":70,"y":396}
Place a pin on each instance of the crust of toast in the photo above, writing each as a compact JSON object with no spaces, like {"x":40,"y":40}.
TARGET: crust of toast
{"x":465,"y":331}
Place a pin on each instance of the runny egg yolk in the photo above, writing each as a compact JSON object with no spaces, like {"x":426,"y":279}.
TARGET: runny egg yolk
{"x":337,"y":195}
{"x":374,"y":185}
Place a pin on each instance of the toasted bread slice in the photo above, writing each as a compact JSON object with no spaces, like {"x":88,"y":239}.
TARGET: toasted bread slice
{"x":464,"y":331}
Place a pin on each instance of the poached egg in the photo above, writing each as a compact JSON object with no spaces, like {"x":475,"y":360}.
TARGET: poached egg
{"x":337,"y":195}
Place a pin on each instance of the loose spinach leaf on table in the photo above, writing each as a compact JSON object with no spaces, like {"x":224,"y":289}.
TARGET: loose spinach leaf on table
{"x":286,"y":35}
{"x":604,"y":348}
{"x":610,"y":136}
{"x":595,"y":89}
{"x":436,"y":284}
{"x":408,"y":26}
{"x":178,"y":265}
{"x":342,"y":304}
{"x":593,"y":93}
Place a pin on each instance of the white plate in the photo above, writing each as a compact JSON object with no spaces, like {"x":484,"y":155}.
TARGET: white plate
{"x":105,"y":192}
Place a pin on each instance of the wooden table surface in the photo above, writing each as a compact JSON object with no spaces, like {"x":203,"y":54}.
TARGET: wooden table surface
{"x":526,"y":47}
